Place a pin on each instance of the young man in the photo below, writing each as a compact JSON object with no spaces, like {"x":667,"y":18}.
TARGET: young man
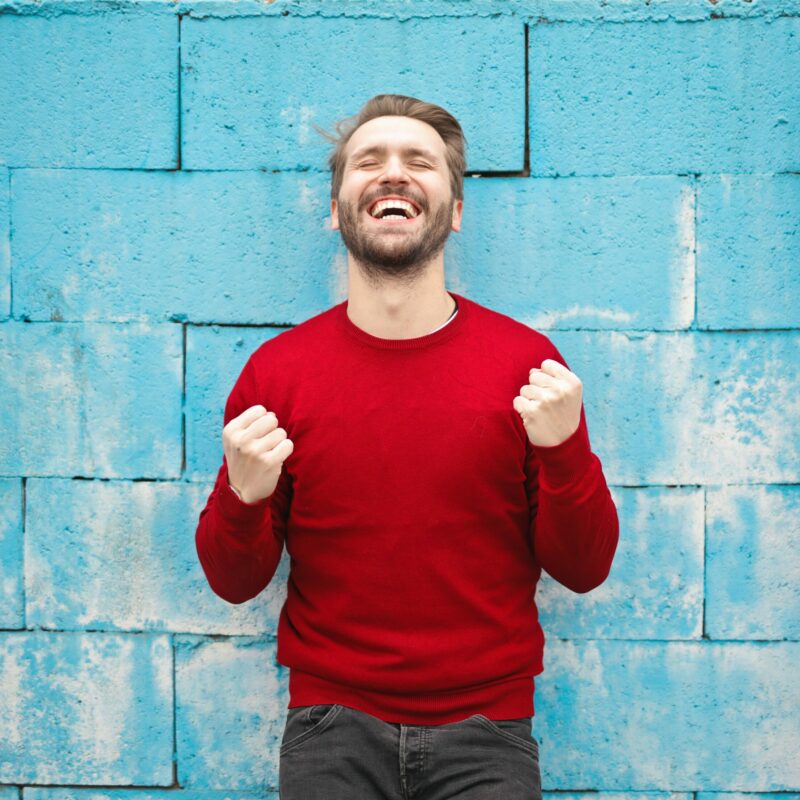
{"x":422,"y":458}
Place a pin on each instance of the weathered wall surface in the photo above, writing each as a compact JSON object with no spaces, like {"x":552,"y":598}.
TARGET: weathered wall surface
{"x":633,"y":190}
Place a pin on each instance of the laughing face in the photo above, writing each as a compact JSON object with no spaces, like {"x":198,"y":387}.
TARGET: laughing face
{"x":395,"y":208}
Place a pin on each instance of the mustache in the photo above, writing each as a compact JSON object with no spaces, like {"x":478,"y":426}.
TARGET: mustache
{"x":417,"y":202}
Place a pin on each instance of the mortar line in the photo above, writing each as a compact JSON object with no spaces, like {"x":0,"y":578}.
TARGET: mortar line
{"x":183,"y":400}
{"x":22,"y":558}
{"x":526,"y":158}
{"x":174,"y":715}
{"x":703,"y":632}
{"x":179,"y":146}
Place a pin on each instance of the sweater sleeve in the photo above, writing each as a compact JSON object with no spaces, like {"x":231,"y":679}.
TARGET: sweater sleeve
{"x":240,"y":544}
{"x":574,"y":523}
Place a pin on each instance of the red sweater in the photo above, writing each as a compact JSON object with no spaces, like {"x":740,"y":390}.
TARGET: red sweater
{"x":416,"y":513}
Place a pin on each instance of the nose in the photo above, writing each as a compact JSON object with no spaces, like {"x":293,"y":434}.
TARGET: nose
{"x":394,"y":171}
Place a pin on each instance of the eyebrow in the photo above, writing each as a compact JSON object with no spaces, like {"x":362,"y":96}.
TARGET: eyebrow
{"x":380,"y":149}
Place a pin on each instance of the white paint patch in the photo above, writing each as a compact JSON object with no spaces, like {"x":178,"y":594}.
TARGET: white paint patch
{"x":726,"y":182}
{"x":682,"y":285}
{"x":308,"y":199}
{"x":13,"y":695}
{"x":775,"y":561}
{"x":110,"y":220}
{"x":70,"y":287}
{"x":300,"y":117}
{"x":550,"y":319}
{"x":98,"y":689}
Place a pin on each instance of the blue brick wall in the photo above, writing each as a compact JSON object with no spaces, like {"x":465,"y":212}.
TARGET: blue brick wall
{"x":633,"y":190}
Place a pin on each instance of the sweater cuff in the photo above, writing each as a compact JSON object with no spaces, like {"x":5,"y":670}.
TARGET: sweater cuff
{"x":567,"y":462}
{"x":235,"y":510}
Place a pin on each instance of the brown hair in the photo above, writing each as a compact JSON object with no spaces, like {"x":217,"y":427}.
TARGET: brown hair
{"x":398,"y":105}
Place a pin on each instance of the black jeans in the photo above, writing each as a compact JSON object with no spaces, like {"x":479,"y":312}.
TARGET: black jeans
{"x":334,"y":752}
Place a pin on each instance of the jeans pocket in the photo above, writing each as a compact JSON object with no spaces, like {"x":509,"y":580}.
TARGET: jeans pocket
{"x":305,"y":722}
{"x":517,"y":731}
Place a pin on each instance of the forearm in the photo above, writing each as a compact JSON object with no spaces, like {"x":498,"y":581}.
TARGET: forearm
{"x":575,"y":529}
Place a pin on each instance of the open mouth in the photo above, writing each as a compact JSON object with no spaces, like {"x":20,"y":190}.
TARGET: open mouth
{"x":394,"y":211}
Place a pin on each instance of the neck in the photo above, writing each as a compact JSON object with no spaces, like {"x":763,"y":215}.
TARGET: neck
{"x":394,"y":310}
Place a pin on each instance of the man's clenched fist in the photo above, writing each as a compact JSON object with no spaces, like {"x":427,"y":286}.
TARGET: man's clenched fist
{"x":255,"y":449}
{"x":550,"y":405}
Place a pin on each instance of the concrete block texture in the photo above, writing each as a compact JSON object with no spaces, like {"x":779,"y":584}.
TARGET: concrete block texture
{"x":251,"y":88}
{"x":126,"y":246}
{"x":676,"y":716}
{"x":231,"y":698}
{"x":5,"y":242}
{"x":598,"y":253}
{"x":91,"y":400}
{"x":665,"y":99}
{"x":117,"y":555}
{"x":85,"y":708}
{"x":11,"y":594}
{"x":748,"y":249}
{"x":97,"y":90}
{"x":690,"y":408}
{"x":753,"y":561}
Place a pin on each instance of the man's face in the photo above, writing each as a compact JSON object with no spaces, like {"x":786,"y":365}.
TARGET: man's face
{"x":395,"y":157}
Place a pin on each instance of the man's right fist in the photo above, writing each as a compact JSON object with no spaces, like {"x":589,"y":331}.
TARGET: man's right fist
{"x":255,"y":449}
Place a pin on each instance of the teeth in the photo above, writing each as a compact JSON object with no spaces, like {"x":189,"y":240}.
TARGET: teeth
{"x":381,"y":205}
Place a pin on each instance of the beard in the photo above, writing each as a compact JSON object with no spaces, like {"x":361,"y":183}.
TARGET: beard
{"x":394,"y":253}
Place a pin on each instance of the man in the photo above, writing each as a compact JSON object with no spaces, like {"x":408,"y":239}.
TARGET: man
{"x":422,"y":458}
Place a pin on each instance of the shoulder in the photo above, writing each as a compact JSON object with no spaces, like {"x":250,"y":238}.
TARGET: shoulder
{"x":512,"y":333}
{"x":294,"y":343}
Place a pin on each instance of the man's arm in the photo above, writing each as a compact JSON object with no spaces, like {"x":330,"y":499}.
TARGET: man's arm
{"x":239,"y":544}
{"x":574,"y":522}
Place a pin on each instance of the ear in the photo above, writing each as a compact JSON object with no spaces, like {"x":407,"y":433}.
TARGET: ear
{"x":458,"y":208}
{"x":334,"y":215}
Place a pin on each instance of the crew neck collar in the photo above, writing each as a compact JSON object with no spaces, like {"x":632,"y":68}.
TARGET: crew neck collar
{"x":443,"y":333}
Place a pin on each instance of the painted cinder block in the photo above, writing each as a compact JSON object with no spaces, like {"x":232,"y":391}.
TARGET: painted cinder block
{"x":115,"y":555}
{"x":655,"y":588}
{"x":85,"y":708}
{"x":215,"y":357}
{"x":246,"y":100}
{"x":664,"y":98}
{"x":12,"y":602}
{"x":249,"y":247}
{"x":584,"y":252}
{"x":748,"y":249}
{"x":93,"y":400}
{"x":753,"y":562}
{"x":748,"y":796}
{"x":622,"y":795}
{"x":231,"y":700}
{"x":172,"y":793}
{"x":676,"y":716}
{"x":95,"y":90}
{"x":684,"y":408}
{"x":5,"y":242}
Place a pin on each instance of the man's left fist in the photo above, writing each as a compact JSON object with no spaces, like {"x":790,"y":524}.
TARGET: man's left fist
{"x":550,"y":405}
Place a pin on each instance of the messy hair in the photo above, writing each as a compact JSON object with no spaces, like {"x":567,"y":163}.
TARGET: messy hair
{"x":398,"y":105}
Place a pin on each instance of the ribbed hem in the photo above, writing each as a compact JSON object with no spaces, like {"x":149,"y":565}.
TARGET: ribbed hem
{"x":508,"y":699}
{"x":236,"y":511}
{"x":566,"y":462}
{"x":441,"y":334}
